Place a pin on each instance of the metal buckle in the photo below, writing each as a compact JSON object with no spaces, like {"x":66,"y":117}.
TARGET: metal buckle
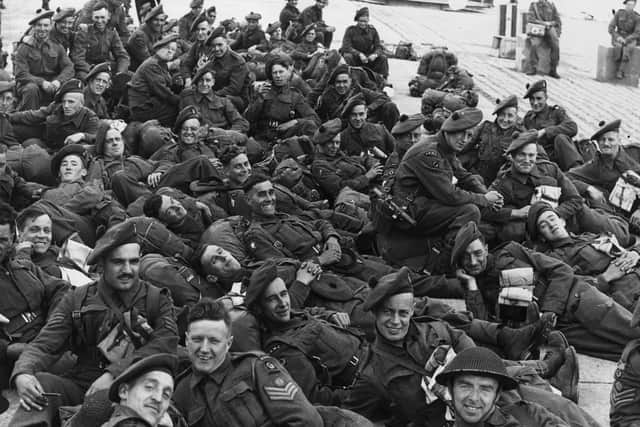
{"x":354,"y":360}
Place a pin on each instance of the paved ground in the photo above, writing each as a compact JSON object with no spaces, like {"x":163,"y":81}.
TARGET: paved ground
{"x":468,"y":35}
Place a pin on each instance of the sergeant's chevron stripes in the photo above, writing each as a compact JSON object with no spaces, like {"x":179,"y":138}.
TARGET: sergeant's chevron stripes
{"x":286,"y":392}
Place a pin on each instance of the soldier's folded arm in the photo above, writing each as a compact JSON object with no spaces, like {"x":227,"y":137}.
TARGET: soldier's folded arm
{"x":583,"y":177}
{"x":565,"y":125}
{"x":163,"y":339}
{"x":79,"y":53}
{"x":154,"y":79}
{"x":32,"y":117}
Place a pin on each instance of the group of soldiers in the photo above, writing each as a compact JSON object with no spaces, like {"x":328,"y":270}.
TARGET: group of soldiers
{"x":210,"y":225}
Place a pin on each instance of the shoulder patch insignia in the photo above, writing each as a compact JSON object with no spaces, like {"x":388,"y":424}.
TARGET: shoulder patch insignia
{"x":286,"y":392}
{"x":431,"y":153}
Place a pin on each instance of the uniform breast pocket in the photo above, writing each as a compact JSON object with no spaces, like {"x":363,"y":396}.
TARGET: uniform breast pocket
{"x":51,"y":59}
{"x":240,"y":406}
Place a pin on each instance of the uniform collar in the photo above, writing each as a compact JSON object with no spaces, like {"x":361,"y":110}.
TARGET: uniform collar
{"x":125,"y":298}
{"x":567,"y":241}
{"x":217,"y":376}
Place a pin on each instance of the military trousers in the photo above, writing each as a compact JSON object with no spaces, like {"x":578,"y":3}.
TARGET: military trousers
{"x":595,"y":324}
{"x":562,"y":151}
{"x":552,"y":40}
{"x":380,"y":65}
{"x":31,"y":97}
{"x":622,"y":54}
{"x":435,"y":219}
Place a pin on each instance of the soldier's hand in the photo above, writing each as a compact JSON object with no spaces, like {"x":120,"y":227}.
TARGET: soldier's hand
{"x":495,"y":199}
{"x":329,"y":257}
{"x":103,"y":382}
{"x":541,"y":133}
{"x":206,"y":211}
{"x":613,"y":272}
{"x":264,"y":88}
{"x":523,"y":212}
{"x":332,"y":244}
{"x":595,"y":194}
{"x":467,"y":280}
{"x":330,"y":29}
{"x":154,"y":179}
{"x":372,"y":57}
{"x":374,"y":172}
{"x":75,"y":138}
{"x":287,"y":125}
{"x":627,"y":261}
{"x":340,"y":319}
{"x":307,"y":272}
{"x":24,"y":246}
{"x":30,"y":391}
{"x":363,"y":57}
{"x":47,"y":86}
{"x":187,"y":82}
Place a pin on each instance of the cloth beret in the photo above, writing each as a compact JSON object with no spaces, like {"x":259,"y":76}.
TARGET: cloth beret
{"x":260,"y":279}
{"x":540,"y":85}
{"x":104,"y":67}
{"x":392,"y":284}
{"x":606,"y":127}
{"x":158,"y":10}
{"x":340,"y":69}
{"x":169,"y":25}
{"x":462,"y":119}
{"x":307,"y":29}
{"x":253,"y":16}
{"x":273,"y":26}
{"x":465,"y":236}
{"x":201,"y":72}
{"x":520,"y":139}
{"x":361,"y":12}
{"x":217,"y":32}
{"x":406,"y":123}
{"x":116,"y":236}
{"x":188,"y":112}
{"x":351,"y":104}
{"x":41,"y":14}
{"x":165,"y":41}
{"x":327,"y":131}
{"x":196,"y":3}
{"x":532,"y":218}
{"x":202,"y":17}
{"x":62,"y":13}
{"x":70,"y":86}
{"x":67,"y":150}
{"x":509,"y":101}
{"x":157,"y":362}
{"x":7,"y":86}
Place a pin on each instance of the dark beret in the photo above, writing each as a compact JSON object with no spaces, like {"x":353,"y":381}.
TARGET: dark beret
{"x":41,"y":14}
{"x":273,"y":26}
{"x":157,"y":362}
{"x":99,"y":6}
{"x":407,"y":123}
{"x":104,"y":67}
{"x":626,"y":1}
{"x":201,"y":72}
{"x":540,"y":85}
{"x":169,"y":25}
{"x":392,"y":284}
{"x":327,"y":131}
{"x":67,"y":150}
{"x":260,"y":279}
{"x":164,"y":41}
{"x":520,"y":139}
{"x":202,"y":17}
{"x":196,"y":3}
{"x":467,"y":234}
{"x":7,"y":86}
{"x":70,"y":86}
{"x":351,"y":104}
{"x":361,"y":12}
{"x":253,"y":16}
{"x":116,"y":236}
{"x":606,"y":127}
{"x":158,"y":10}
{"x":307,"y":29}
{"x":462,"y":119}
{"x":253,"y":180}
{"x":532,"y":218}
{"x":62,"y":13}
{"x":509,"y":101}
{"x":188,"y":112}
{"x":340,"y":69}
{"x":217,"y":32}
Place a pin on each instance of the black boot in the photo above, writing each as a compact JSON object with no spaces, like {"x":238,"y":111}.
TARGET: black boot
{"x":519,"y":343}
{"x":568,"y":376}
{"x":554,"y":73}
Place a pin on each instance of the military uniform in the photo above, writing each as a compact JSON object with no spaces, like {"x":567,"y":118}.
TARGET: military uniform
{"x":278,"y":106}
{"x":215,"y":110}
{"x":388,"y":387}
{"x":579,"y":252}
{"x":117,"y":16}
{"x":591,"y":321}
{"x":424,"y":184}
{"x":35,"y":63}
{"x":301,"y":54}
{"x":94,"y":47}
{"x":518,"y":190}
{"x":520,"y":414}
{"x":247,"y":38}
{"x":66,"y":40}
{"x":184,"y":27}
{"x":150,"y":94}
{"x":321,"y":357}
{"x":624,"y":25}
{"x":625,"y":393}
{"x":80,"y":321}
{"x":198,"y":55}
{"x":380,"y":108}
{"x":313,"y":15}
{"x":540,"y":12}
{"x":559,"y":129}
{"x":287,"y":14}
{"x":140,"y":45}
{"x":334,"y":173}
{"x":357,"y":40}
{"x":356,"y":141}
{"x":232,"y":77}
{"x":123,"y":416}
{"x":30,"y":296}
{"x":57,"y":127}
{"x":96,"y":103}
{"x":248,"y":389}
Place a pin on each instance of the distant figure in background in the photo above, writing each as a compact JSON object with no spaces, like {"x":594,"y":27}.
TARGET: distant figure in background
{"x":544,"y":12}
{"x":624,"y":30}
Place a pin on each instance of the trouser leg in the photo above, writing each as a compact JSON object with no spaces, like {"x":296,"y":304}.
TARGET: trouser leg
{"x":30,"y":97}
{"x":126,"y":189}
{"x":565,"y":152}
{"x":554,"y":44}
{"x":181,"y":175}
